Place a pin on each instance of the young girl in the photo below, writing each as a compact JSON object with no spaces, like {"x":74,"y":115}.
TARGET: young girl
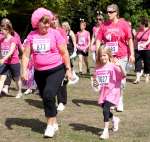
{"x":108,"y":75}
{"x":83,"y":43}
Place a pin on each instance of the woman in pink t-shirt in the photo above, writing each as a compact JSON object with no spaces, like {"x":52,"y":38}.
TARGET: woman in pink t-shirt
{"x":142,"y":51}
{"x":83,"y":43}
{"x":9,"y":56}
{"x":116,"y":35}
{"x":99,"y":21}
{"x":107,"y":77}
{"x":7,"y":83}
{"x":50,"y":60}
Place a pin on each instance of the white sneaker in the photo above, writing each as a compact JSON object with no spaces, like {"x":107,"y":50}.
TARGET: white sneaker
{"x":49,"y":131}
{"x":74,"y":54}
{"x":120,"y":109}
{"x":19,"y":95}
{"x":28,"y":91}
{"x":5,"y":91}
{"x":105,"y":135}
{"x":61,"y":107}
{"x":115,"y":121}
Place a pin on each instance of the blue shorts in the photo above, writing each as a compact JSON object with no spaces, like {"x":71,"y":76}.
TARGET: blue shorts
{"x":14,"y":69}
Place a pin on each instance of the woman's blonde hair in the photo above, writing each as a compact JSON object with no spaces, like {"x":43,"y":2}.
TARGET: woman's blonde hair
{"x":102,"y":49}
{"x":6,"y":24}
{"x":66,"y":24}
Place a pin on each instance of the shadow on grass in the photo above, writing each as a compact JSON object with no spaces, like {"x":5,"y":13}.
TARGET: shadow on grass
{"x":130,"y":80}
{"x":35,"y":124}
{"x":84,"y":75}
{"x":131,"y":74}
{"x":5,"y":95}
{"x":35,"y":103}
{"x":86,"y":128}
{"x":86,"y":102}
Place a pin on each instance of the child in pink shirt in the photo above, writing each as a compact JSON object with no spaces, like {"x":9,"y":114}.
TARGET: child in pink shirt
{"x":108,"y":77}
{"x":83,"y":43}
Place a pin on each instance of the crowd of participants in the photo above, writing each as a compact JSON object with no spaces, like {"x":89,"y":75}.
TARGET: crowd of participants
{"x":49,"y":52}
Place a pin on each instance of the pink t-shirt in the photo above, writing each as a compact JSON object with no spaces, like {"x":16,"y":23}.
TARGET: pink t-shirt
{"x":109,"y":78}
{"x":143,"y":39}
{"x":45,"y":51}
{"x":83,"y":40}
{"x":95,"y":32}
{"x":116,"y":36}
{"x":18,"y":40}
{"x":5,"y":48}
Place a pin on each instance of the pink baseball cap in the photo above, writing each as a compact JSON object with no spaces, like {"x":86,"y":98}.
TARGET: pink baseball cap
{"x":38,"y":14}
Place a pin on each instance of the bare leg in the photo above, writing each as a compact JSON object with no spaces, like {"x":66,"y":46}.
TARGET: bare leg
{"x":2,"y":80}
{"x":86,"y":63}
{"x":80,"y":63}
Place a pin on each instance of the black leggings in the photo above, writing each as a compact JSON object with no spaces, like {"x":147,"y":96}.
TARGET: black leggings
{"x":106,"y":111}
{"x":144,"y":56}
{"x":48,"y":83}
{"x":62,"y":94}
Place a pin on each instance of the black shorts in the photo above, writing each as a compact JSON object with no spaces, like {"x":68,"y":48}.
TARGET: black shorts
{"x":14,"y":69}
{"x":80,"y":52}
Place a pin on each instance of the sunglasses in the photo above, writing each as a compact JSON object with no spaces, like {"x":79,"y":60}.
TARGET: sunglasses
{"x":111,"y":12}
{"x":99,"y":19}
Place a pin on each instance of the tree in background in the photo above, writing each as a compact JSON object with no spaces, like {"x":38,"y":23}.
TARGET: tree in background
{"x":71,"y":10}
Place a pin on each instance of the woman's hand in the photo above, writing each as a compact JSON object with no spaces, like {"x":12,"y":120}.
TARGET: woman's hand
{"x":2,"y":61}
{"x":69,"y":74}
{"x":131,"y":59}
{"x":24,"y":75}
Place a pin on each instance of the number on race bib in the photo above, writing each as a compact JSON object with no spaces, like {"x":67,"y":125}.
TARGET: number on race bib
{"x":41,"y":46}
{"x":103,"y":79}
{"x":4,"y":52}
{"x":113,"y":46}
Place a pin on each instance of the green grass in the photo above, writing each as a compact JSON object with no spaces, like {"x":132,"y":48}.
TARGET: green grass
{"x":22,"y":120}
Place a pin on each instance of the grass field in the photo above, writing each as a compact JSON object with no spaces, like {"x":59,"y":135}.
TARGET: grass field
{"x":22,"y":120}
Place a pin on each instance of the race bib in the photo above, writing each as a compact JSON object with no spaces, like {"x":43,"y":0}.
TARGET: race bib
{"x":113,"y":46}
{"x":81,"y":41}
{"x":4,"y":52}
{"x":140,"y":45}
{"x":103,"y":77}
{"x":41,"y":45}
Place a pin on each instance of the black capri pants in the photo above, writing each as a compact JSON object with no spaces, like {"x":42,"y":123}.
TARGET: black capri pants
{"x":143,"y":55}
{"x":106,"y":111}
{"x":146,"y":60}
{"x":138,"y":61}
{"x":48,"y":83}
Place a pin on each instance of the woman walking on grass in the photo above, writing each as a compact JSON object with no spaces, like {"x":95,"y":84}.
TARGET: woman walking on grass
{"x":142,"y":51}
{"x":51,"y":61}
{"x":116,"y":34}
{"x":9,"y":59}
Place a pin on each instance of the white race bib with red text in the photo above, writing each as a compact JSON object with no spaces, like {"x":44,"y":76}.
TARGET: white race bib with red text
{"x":113,"y":46}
